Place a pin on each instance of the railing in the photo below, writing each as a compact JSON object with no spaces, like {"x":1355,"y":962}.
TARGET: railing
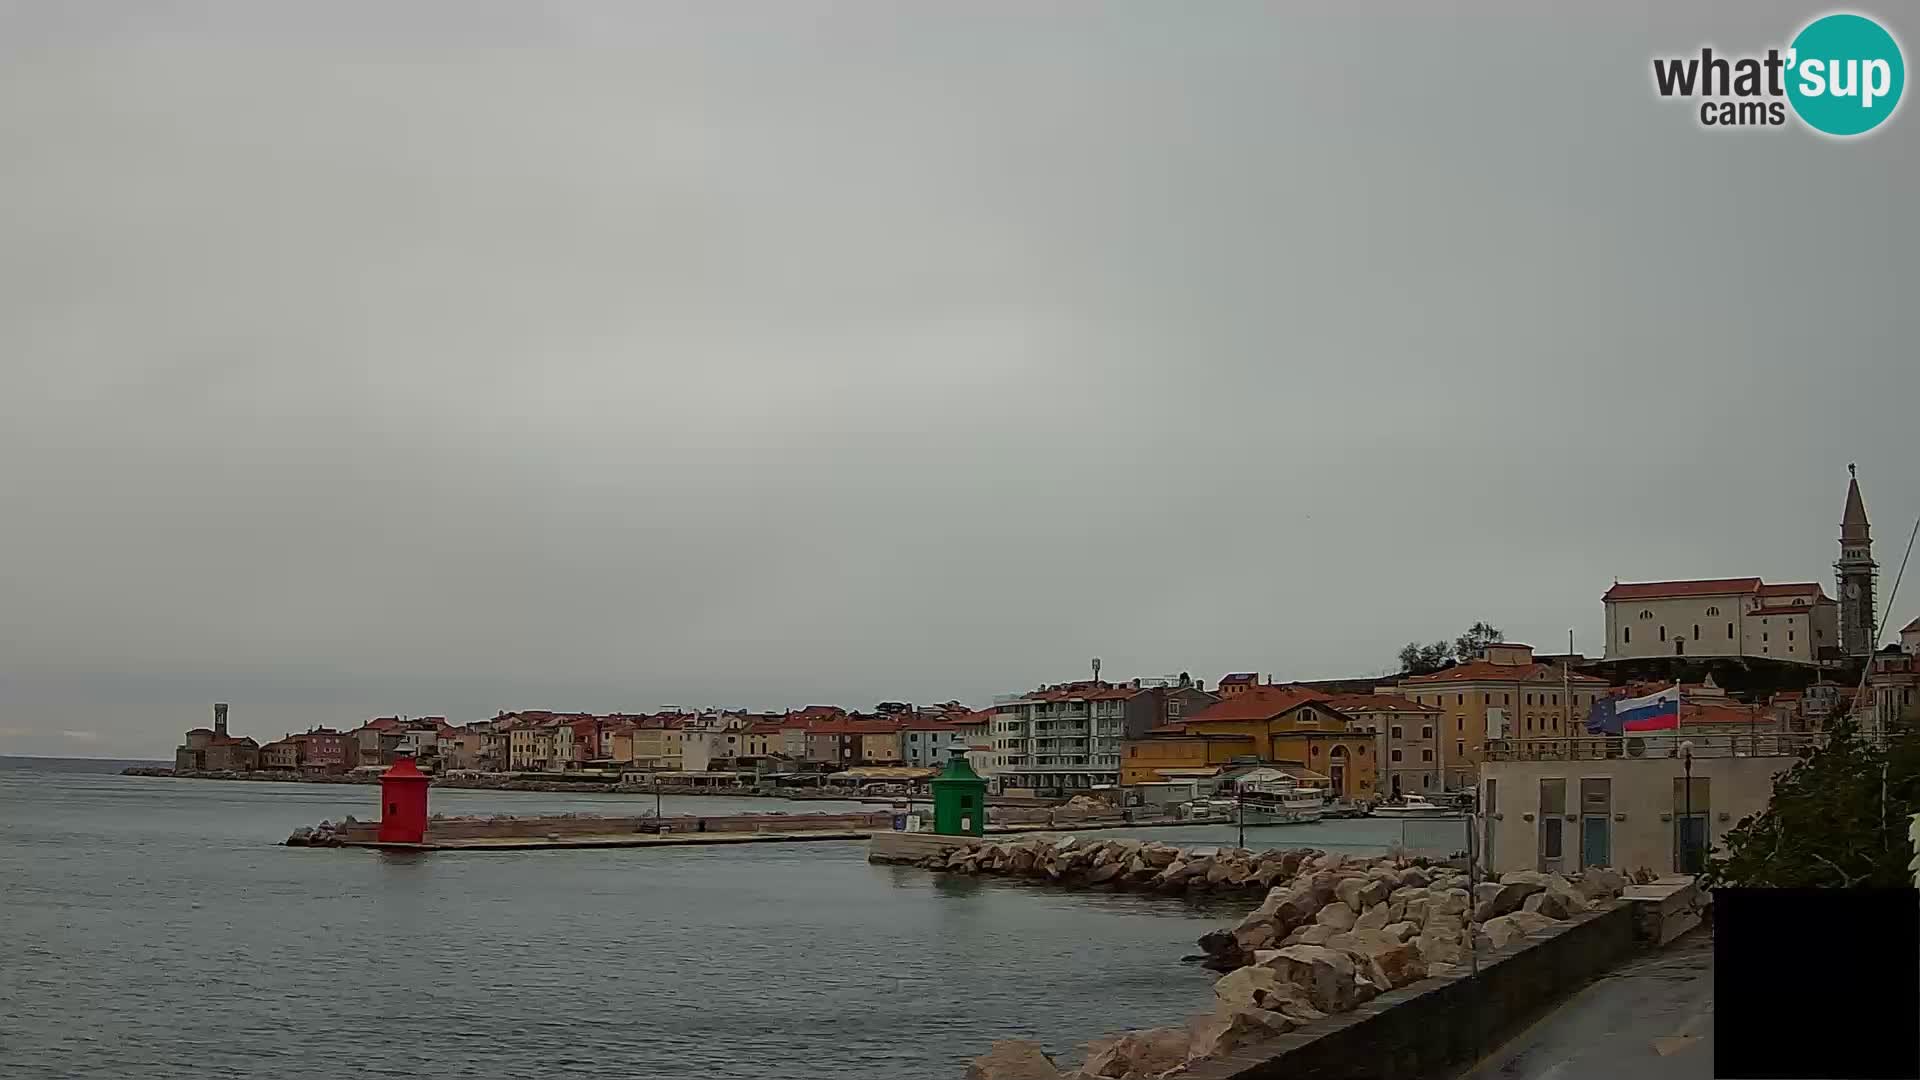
{"x":1730,"y":745}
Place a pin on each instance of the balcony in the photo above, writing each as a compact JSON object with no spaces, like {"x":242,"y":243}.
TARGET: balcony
{"x":1730,"y":745}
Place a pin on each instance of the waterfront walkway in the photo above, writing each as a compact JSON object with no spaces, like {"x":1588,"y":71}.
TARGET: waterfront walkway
{"x":683,"y":839}
{"x":1650,"y":1019}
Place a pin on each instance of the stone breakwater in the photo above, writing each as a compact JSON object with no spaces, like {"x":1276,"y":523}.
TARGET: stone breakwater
{"x":1331,"y":933}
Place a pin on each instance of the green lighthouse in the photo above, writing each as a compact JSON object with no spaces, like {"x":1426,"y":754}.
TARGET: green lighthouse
{"x":959,"y":798}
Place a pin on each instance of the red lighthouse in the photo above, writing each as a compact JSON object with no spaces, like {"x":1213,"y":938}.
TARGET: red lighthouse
{"x":403,"y":804}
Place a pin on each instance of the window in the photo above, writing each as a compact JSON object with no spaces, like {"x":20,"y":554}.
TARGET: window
{"x":1729,"y":631}
{"x":1460,"y":699}
{"x":1712,"y":611}
{"x":1646,"y":614}
{"x":1529,"y":723}
{"x":1396,"y":731}
{"x":1556,"y":699}
{"x":1789,"y":635}
{"x":1506,"y":699}
{"x":1800,"y":601}
{"x":1696,"y":631}
{"x":1529,"y":699}
{"x":1459,"y":750}
{"x":1426,"y":731}
{"x":1459,"y":723}
{"x":1626,"y":633}
{"x":1663,"y":633}
{"x":1393,"y":755}
{"x":1426,"y":755}
{"x":1763,"y":635}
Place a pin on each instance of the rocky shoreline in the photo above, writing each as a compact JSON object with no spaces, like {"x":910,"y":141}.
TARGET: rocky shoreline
{"x":1331,"y":933}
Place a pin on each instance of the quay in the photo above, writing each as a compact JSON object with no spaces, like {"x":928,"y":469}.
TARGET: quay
{"x":739,"y":836}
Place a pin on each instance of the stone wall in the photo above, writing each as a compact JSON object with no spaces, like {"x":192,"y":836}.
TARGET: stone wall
{"x":1442,"y":1022}
{"x":1332,"y":935}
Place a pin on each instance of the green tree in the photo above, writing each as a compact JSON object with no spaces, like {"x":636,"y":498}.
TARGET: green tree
{"x":1418,"y":659}
{"x":1475,"y":641}
{"x":1837,"y":819}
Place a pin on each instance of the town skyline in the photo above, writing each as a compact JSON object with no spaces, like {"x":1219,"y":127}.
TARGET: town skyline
{"x":875,"y":356}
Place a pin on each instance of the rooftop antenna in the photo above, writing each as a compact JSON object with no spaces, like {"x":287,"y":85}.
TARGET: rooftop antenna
{"x":1096,"y":669}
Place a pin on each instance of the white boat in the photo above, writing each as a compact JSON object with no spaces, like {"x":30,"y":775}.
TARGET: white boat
{"x":1410,"y":806}
{"x":1281,"y":802}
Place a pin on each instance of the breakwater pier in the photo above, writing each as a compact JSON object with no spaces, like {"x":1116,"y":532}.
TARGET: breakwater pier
{"x":511,"y":833}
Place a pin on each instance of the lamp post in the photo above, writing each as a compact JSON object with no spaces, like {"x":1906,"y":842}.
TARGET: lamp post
{"x":653,"y":771}
{"x":1686,"y":819}
{"x":1240,"y":810}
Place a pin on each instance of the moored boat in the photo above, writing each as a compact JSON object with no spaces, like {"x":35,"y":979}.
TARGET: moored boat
{"x":1410,"y":806}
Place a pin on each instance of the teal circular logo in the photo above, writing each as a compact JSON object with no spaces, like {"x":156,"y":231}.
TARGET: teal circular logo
{"x":1845,"y":74}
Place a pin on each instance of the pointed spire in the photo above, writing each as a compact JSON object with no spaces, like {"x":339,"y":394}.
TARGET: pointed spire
{"x":1853,"y":523}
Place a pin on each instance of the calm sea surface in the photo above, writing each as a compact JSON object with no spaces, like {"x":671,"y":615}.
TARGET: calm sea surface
{"x":152,"y":928}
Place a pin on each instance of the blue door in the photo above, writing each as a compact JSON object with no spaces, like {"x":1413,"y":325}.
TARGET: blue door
{"x":1594,"y":837}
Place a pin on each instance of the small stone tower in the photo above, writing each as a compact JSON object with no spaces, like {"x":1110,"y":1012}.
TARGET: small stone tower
{"x":220,"y":718}
{"x":1856,"y":571}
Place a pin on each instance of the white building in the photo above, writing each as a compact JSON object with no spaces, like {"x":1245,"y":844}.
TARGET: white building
{"x":1720,"y":617}
{"x":1060,"y":739}
{"x":925,"y":741}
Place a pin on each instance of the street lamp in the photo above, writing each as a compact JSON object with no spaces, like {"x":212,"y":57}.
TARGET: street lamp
{"x":1686,"y":819}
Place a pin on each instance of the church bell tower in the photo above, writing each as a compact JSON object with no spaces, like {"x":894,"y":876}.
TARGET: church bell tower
{"x":1856,"y":571}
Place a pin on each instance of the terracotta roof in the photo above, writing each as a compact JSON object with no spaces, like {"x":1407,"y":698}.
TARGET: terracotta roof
{"x":1793,"y":588}
{"x":1487,"y":671}
{"x":854,"y":727}
{"x":1660,"y":590}
{"x":765,"y":727}
{"x":1360,"y":703}
{"x":1083,"y":691}
{"x":929,"y":723}
{"x":1255,"y":703}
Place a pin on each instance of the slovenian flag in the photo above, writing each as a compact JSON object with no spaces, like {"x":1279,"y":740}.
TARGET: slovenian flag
{"x":1654,"y":712}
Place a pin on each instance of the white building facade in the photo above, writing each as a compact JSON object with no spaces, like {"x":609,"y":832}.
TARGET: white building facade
{"x":1720,"y":617}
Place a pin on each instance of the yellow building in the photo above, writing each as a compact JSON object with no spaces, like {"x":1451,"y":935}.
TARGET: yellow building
{"x":658,"y":744}
{"x":1505,"y":695}
{"x":1277,"y":725}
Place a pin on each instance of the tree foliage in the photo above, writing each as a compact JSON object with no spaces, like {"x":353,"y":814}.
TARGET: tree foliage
{"x":1418,"y":659}
{"x":1475,"y":641}
{"x":1837,"y":819}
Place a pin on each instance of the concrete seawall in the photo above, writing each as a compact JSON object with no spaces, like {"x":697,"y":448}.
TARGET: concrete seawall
{"x":1440,"y":1023}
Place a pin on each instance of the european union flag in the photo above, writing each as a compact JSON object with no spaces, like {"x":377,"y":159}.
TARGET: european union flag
{"x":1602,"y":719}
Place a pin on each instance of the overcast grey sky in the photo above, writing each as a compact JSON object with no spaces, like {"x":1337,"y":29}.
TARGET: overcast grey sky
{"x":439,"y":357}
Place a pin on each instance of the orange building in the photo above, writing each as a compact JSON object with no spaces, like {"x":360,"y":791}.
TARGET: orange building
{"x":1274,"y":725}
{"x":1505,"y":695}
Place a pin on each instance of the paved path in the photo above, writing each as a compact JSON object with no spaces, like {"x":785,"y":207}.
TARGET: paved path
{"x":1651,"y":1019}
